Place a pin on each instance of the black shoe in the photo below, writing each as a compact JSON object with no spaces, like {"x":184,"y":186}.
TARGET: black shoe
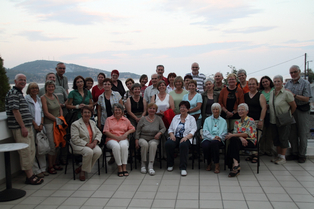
{"x":292,"y":157}
{"x":302,"y":159}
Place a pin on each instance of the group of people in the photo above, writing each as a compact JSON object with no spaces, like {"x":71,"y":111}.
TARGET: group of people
{"x":173,"y":107}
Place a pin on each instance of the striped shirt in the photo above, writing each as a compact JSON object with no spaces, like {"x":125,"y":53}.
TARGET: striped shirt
{"x":200,"y":79}
{"x":301,"y":87}
{"x":14,"y":100}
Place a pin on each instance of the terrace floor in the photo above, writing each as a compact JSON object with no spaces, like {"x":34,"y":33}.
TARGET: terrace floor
{"x":285,"y":186}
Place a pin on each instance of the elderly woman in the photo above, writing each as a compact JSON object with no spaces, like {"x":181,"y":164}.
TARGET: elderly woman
{"x":195,"y":100}
{"x":280,"y":101}
{"x":244,"y":135}
{"x":143,"y":81}
{"x":178,"y":93}
{"x":136,"y":106}
{"x":80,"y":96}
{"x":147,"y":137}
{"x":181,"y":131}
{"x":85,"y":137}
{"x":99,"y":88}
{"x":229,"y":99}
{"x":171,"y":85}
{"x":129,"y":83}
{"x":163,"y":100}
{"x":265,"y":143}
{"x":243,"y":84}
{"x":116,"y":83}
{"x":52,"y":109}
{"x":209,"y":97}
{"x":214,"y":133}
{"x":36,"y":110}
{"x":117,"y":129}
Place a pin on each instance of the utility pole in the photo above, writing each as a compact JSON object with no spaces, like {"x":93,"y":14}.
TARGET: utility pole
{"x":305,"y":66}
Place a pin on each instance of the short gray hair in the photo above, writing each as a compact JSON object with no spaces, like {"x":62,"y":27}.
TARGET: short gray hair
{"x":48,"y":75}
{"x":49,"y":82}
{"x":118,"y":105}
{"x":210,"y":80}
{"x":241,"y":71}
{"x":295,"y":66}
{"x":278,"y":76}
{"x":244,"y":105}
{"x":216,"y":105}
{"x":136,"y":85}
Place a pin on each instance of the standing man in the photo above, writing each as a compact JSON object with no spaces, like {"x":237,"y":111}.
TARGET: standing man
{"x":160,"y":69}
{"x":301,"y":91}
{"x":61,"y":79}
{"x":152,"y":89}
{"x":218,"y":85}
{"x":20,"y":123}
{"x":198,"y":77}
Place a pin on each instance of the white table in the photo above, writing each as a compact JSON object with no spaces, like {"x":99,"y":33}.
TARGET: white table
{"x":10,"y":193}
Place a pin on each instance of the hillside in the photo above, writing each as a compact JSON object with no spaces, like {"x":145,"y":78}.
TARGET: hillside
{"x":36,"y":71}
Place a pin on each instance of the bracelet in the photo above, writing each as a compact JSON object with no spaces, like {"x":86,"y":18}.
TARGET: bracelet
{"x":77,"y":106}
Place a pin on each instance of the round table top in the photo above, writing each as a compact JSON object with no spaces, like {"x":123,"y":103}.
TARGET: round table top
{"x":8,"y":147}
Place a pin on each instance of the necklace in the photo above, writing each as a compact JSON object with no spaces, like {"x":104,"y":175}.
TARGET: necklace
{"x":252,"y":95}
{"x":215,"y":122}
{"x":149,"y":119}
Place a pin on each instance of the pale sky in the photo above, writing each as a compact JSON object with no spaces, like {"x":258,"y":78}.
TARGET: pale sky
{"x":136,"y":35}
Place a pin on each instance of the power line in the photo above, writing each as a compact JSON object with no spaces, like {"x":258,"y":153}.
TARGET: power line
{"x":277,"y":64}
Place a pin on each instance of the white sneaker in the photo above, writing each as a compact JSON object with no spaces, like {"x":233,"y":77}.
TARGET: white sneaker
{"x":143,"y":170}
{"x":280,"y":161}
{"x":170,"y":169}
{"x":274,"y":159}
{"x":151,"y":172}
{"x":184,"y":173}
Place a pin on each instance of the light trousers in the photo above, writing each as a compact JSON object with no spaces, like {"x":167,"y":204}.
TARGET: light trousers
{"x":40,"y":164}
{"x":120,"y":150}
{"x":148,"y":146}
{"x":50,"y":136}
{"x":90,"y":156}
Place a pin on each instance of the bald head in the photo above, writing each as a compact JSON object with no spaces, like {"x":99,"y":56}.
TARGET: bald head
{"x":195,"y":67}
{"x":218,"y":77}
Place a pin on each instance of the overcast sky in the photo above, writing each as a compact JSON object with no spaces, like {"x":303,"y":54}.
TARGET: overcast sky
{"x":136,"y":35}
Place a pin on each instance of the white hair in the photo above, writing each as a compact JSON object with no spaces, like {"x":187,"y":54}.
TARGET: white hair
{"x":244,"y":105}
{"x":295,"y":66}
{"x":210,"y":80}
{"x":216,"y":105}
{"x":241,"y":71}
{"x":278,"y":76}
{"x":17,"y":76}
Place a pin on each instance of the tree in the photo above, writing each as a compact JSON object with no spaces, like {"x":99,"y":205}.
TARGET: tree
{"x":4,"y":85}
{"x":310,"y":75}
{"x":233,"y":70}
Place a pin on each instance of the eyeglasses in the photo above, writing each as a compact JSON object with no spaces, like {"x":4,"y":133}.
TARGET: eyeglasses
{"x":61,"y":68}
{"x":294,"y":72}
{"x":195,"y":67}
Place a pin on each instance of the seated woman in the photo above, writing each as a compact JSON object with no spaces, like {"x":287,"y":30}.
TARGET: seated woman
{"x":181,"y":131}
{"x":244,"y":135}
{"x":149,"y":130}
{"x":214,"y":133}
{"x":117,"y":128}
{"x":85,"y":137}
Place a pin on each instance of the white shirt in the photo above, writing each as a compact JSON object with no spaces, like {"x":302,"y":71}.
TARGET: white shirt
{"x":37,"y":113}
{"x":190,"y":125}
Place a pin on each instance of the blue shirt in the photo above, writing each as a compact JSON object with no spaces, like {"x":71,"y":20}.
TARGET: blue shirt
{"x":196,"y":99}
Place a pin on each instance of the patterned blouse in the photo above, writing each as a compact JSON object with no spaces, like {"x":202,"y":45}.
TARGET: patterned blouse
{"x":248,"y":126}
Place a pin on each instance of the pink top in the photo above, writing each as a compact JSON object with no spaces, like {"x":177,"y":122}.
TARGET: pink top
{"x":96,"y":92}
{"x":117,"y":127}
{"x":143,"y":90}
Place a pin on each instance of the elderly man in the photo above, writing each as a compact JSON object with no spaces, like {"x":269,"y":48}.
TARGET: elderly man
{"x":301,"y":91}
{"x":218,"y":85}
{"x":198,"y":77}
{"x":160,"y":69}
{"x":61,"y":80}
{"x":20,"y":123}
{"x":59,"y":92}
{"x":243,"y":84}
{"x":151,"y":90}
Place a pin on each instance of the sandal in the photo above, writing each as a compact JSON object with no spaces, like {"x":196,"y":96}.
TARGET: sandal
{"x":209,"y":167}
{"x":120,"y":174}
{"x":125,"y":173}
{"x":34,"y":180}
{"x":82,"y":177}
{"x":217,"y":168}
{"x":78,"y":170}
{"x":51,"y":170}
{"x":234,"y":173}
{"x":57,"y":167}
{"x":249,"y":158}
{"x":254,"y":159}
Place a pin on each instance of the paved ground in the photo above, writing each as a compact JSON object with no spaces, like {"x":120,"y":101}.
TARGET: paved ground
{"x":276,"y":186}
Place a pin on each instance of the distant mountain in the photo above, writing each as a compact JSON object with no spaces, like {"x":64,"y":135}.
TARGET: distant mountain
{"x":36,"y":71}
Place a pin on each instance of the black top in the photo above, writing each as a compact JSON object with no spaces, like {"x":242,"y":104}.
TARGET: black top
{"x":209,"y":104}
{"x":108,"y":107}
{"x":118,"y":88}
{"x":231,"y":100}
{"x":254,"y":105}
{"x":137,"y":107}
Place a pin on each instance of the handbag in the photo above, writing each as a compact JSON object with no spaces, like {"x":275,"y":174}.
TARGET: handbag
{"x":284,"y":118}
{"x":42,"y":143}
{"x":304,"y":108}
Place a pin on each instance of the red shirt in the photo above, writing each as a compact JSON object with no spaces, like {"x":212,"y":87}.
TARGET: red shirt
{"x":245,"y":89}
{"x":96,"y":92}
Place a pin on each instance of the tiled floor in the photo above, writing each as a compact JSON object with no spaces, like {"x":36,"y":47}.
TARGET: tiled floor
{"x":276,"y":186}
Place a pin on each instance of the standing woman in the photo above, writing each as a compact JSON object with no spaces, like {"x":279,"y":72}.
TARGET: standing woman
{"x":229,"y":99}
{"x":243,"y":84}
{"x":187,"y":79}
{"x":129,"y":83}
{"x":143,"y":82}
{"x":266,"y":86}
{"x":136,"y":106}
{"x":79,"y":97}
{"x":280,"y":101}
{"x":209,"y":97}
{"x":163,"y":100}
{"x":99,"y":88}
{"x":178,"y":93}
{"x":116,"y":83}
{"x":52,"y":109}
{"x":195,"y":100}
{"x":171,"y":85}
{"x":36,"y":110}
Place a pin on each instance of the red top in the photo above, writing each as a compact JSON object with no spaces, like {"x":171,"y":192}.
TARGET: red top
{"x":96,"y":92}
{"x":245,"y":89}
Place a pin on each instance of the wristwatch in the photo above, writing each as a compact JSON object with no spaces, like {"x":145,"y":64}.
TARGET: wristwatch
{"x":261,"y":120}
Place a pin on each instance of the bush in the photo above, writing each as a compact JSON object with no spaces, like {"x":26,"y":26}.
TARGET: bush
{"x":4,"y":85}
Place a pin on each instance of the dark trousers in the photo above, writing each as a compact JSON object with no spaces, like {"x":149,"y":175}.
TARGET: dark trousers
{"x":183,"y":149}
{"x":235,"y":145}
{"x":211,"y":150}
